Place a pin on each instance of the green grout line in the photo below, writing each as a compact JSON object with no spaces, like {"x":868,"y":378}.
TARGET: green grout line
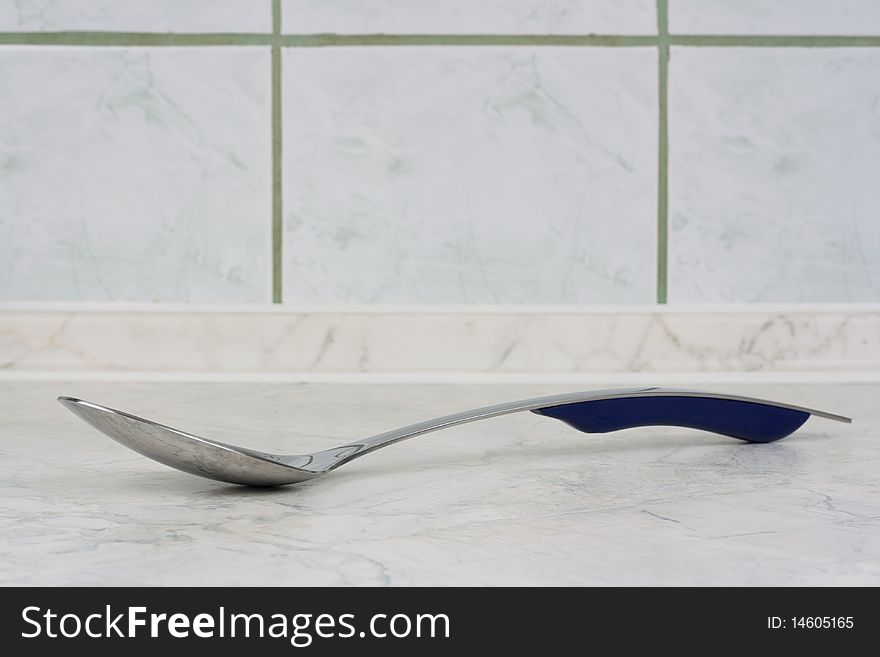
{"x":662,"y":151}
{"x":775,"y":41}
{"x":316,"y":40}
{"x":604,"y":40}
{"x":132,"y":39}
{"x":328,"y":40}
{"x":277,"y":154}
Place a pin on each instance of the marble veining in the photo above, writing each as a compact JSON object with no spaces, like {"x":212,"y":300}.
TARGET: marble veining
{"x":785,"y":17}
{"x":139,"y":174}
{"x":772,"y":170}
{"x":469,"y":175}
{"x":517,"y":500}
{"x":414,"y":342}
{"x":466,"y":16}
{"x":135,"y":16}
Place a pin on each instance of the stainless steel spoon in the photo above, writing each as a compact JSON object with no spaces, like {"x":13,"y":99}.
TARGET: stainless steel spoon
{"x":599,"y":411}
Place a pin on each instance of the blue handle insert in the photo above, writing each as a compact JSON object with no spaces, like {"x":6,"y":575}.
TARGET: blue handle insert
{"x":750,"y":421}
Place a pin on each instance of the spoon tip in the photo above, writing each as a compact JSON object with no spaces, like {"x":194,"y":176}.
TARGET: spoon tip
{"x":71,"y":402}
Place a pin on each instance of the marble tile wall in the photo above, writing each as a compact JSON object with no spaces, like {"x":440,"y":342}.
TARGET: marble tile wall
{"x":470,"y":175}
{"x":134,"y":174}
{"x":784,"y":17}
{"x":198,"y":16}
{"x":469,"y":17}
{"x":520,"y":167}
{"x":774,"y":162}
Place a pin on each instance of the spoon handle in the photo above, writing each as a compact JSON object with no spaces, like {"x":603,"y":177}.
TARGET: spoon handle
{"x":603,"y":411}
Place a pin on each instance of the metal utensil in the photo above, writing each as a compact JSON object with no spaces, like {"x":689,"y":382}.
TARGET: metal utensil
{"x":599,"y":411}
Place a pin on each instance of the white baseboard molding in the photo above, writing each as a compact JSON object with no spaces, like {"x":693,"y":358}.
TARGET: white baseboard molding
{"x":435,"y":309}
{"x":297,"y":344}
{"x":575,"y":380}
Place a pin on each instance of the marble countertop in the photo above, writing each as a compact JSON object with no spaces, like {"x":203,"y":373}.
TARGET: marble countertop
{"x":516,"y":500}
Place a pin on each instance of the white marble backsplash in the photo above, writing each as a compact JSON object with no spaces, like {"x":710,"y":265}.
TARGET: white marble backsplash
{"x":469,"y":17}
{"x":409,"y":341}
{"x":470,"y":175}
{"x":136,"y":15}
{"x":135,"y":174}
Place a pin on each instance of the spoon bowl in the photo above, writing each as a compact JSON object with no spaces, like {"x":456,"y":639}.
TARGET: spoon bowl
{"x":190,"y":453}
